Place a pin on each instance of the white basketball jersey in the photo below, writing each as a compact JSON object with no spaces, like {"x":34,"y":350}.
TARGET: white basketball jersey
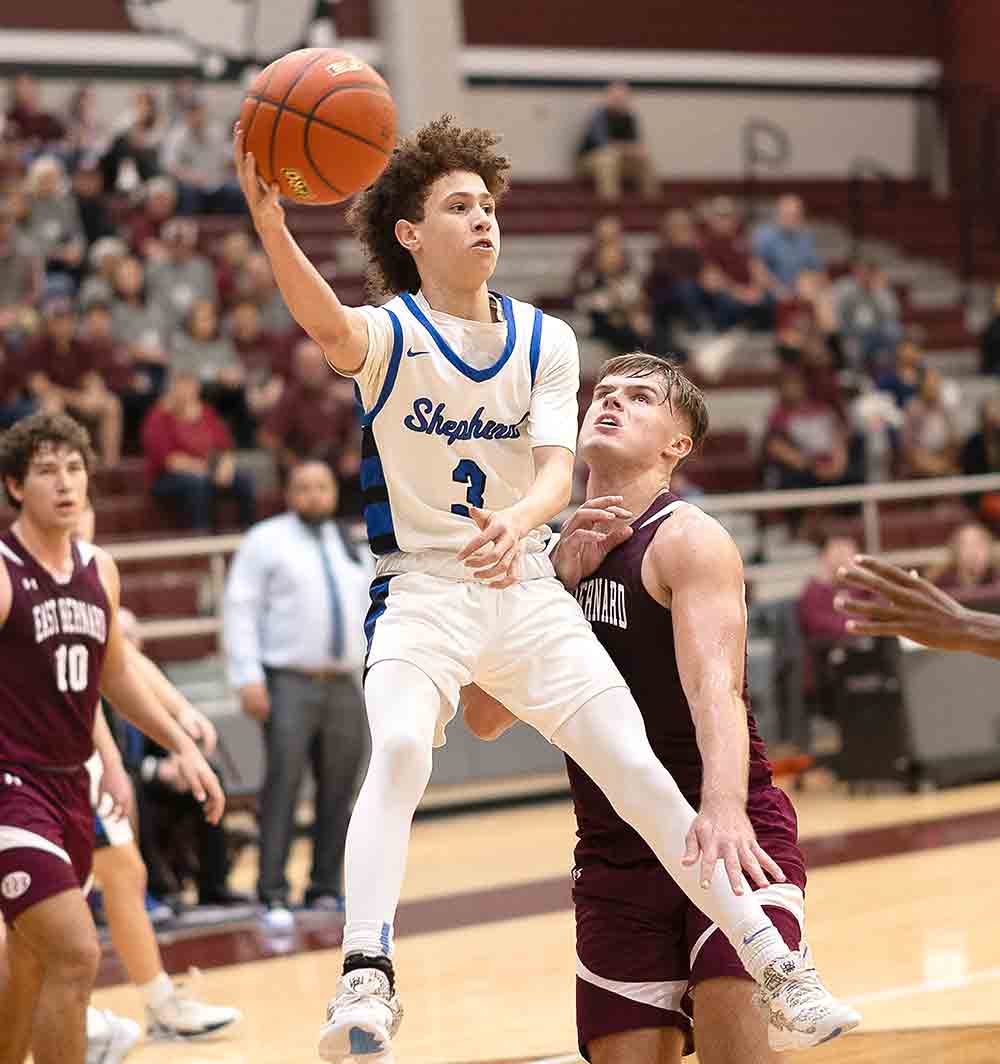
{"x":444,"y":435}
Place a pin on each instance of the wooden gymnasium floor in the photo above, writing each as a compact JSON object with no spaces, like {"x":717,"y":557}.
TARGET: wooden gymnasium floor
{"x":902,"y":918}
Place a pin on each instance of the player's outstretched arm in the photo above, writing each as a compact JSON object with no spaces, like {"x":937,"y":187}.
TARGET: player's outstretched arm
{"x":698,"y":572}
{"x":341,"y":331}
{"x":899,"y":602}
{"x":588,"y":537}
{"x":125,"y":689}
{"x":191,"y":719}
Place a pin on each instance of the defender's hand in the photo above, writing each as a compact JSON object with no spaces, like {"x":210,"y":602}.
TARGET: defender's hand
{"x":723,"y":832}
{"x":200,"y":728}
{"x":495,"y":551}
{"x":899,"y":602}
{"x":588,"y":537}
{"x":484,"y":716}
{"x":204,"y":785}
{"x":116,"y":793}
{"x":263,"y":200}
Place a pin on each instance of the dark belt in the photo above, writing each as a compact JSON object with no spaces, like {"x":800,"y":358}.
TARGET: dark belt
{"x":320,"y":675}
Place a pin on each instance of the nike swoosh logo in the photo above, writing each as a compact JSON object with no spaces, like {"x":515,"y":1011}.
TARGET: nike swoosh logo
{"x":413,"y":354}
{"x":749,"y":938}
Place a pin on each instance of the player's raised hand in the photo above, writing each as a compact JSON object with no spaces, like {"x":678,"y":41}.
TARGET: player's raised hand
{"x":494,"y":553}
{"x":589,"y":536}
{"x":723,"y":832}
{"x":204,"y":785}
{"x":263,"y":200}
{"x":899,"y":602}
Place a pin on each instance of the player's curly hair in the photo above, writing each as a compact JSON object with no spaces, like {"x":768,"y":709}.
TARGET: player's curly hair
{"x":440,"y":147}
{"x":25,"y":438}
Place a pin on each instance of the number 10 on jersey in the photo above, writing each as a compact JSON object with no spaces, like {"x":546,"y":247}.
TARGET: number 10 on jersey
{"x":467,"y":472}
{"x":71,"y":667}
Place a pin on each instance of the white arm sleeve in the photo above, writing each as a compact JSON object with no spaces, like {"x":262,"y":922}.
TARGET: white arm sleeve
{"x":371,"y":376}
{"x":552,"y":419}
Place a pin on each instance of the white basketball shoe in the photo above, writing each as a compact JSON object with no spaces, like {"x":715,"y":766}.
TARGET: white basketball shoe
{"x":800,"y":1011}
{"x":362,"y":1018}
{"x":110,"y":1038}
{"x":182,"y":1018}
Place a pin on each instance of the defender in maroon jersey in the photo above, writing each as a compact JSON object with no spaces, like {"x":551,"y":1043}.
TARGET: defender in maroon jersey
{"x":664,"y":594}
{"x":59,"y":649}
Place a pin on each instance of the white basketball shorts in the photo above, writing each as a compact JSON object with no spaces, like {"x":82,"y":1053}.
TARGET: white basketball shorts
{"x":529,"y":645}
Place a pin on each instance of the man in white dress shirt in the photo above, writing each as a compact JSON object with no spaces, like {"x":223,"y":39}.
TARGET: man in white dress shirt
{"x":293,"y":628}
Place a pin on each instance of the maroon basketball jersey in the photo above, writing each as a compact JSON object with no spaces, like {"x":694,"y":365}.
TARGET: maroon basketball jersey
{"x":51,"y":654}
{"x":638,"y":634}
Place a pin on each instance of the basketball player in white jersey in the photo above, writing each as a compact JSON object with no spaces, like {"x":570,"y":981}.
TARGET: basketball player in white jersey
{"x":469,"y":436}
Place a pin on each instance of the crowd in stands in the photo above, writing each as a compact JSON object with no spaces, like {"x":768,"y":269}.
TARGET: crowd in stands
{"x":114,"y":308}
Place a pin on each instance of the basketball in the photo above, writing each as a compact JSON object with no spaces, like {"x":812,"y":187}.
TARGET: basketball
{"x":320,"y":123}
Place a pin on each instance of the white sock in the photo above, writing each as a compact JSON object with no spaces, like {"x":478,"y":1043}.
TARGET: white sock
{"x":403,"y":707}
{"x":607,"y":739}
{"x":157,"y":992}
{"x":97,"y":1025}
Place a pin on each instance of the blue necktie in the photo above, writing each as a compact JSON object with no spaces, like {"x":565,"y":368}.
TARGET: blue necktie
{"x":336,"y":615}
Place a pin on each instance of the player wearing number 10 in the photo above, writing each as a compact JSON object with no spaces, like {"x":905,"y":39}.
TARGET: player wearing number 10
{"x":469,"y":435}
{"x":59,"y":649}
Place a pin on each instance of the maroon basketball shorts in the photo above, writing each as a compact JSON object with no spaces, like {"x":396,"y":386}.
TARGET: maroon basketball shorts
{"x":642,"y":947}
{"x":46,"y":836}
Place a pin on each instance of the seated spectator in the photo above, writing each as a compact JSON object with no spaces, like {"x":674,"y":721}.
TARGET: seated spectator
{"x":183,"y":276}
{"x":989,"y":343}
{"x":736,"y":281}
{"x":981,"y":455}
{"x":86,"y":135}
{"x":145,"y":226}
{"x":616,"y":302}
{"x":930,"y":441}
{"x":972,"y":562}
{"x":256,"y":282}
{"x":178,"y":844}
{"x":673,"y":285}
{"x":786,"y":246}
{"x":53,"y":222}
{"x":867,"y":313}
{"x":132,"y":158}
{"x":15,"y":402}
{"x":876,"y":421}
{"x":820,"y":623}
{"x":98,"y":286}
{"x":266,"y":358}
{"x":315,"y":417}
{"x":91,"y":203}
{"x":196,"y":153}
{"x":612,"y":149}
{"x":64,"y":372}
{"x":141,"y":327}
{"x":27,"y":123}
{"x":21,"y":276}
{"x":189,"y":457}
{"x":134,"y":382}
{"x":200,"y":348}
{"x":902,"y":382}
{"x":607,"y":231}
{"x":805,"y":444}
{"x":233,"y":254}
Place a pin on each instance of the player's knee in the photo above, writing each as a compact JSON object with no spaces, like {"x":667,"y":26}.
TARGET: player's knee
{"x":406,"y":760}
{"x":75,"y":958}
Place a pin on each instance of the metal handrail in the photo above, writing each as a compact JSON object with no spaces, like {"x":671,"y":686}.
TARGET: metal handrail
{"x":217,"y":548}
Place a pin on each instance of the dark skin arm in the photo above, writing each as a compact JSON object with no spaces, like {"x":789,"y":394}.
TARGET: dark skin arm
{"x":901,"y":603}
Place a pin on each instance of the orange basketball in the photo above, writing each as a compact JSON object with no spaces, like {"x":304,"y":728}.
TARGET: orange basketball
{"x":320,"y":123}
